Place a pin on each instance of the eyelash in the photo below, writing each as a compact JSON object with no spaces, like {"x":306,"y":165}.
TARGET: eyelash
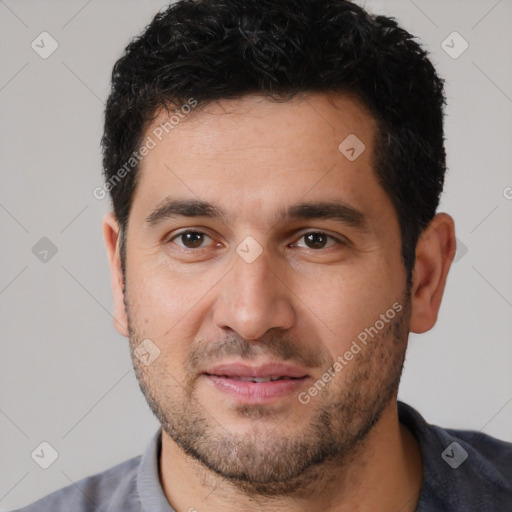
{"x":337,"y":240}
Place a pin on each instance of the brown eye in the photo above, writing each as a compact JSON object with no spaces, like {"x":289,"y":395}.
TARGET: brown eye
{"x":315,"y":240}
{"x":190,"y":239}
{"x":319,"y":240}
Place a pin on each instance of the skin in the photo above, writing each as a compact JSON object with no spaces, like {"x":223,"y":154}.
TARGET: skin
{"x":300,"y":301}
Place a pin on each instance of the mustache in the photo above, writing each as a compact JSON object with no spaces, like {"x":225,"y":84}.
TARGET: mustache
{"x":206,"y":352}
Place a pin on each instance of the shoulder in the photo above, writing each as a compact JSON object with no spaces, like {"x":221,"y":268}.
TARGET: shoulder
{"x":110,"y":488}
{"x":488,"y":456}
{"x":471,"y":471}
{"x":463,"y":469}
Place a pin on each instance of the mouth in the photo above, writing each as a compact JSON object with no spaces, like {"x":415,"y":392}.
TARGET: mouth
{"x":256,"y":379}
{"x":257,"y":384}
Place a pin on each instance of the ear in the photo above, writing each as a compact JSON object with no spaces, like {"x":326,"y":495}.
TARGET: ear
{"x":434,"y":254}
{"x":111,"y":238}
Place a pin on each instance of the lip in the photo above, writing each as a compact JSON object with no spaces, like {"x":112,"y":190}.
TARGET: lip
{"x":263,"y":370}
{"x":225,"y":377}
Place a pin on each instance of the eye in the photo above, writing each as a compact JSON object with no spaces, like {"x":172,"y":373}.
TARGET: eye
{"x":190,"y":239}
{"x":319,"y":240}
{"x":313,"y":240}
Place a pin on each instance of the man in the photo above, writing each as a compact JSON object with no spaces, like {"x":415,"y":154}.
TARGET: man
{"x":275,"y":169}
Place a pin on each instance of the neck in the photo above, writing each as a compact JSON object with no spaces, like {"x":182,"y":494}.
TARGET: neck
{"x":385,"y":473}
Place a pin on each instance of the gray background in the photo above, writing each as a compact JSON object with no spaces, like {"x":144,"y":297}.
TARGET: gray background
{"x":65,"y":374}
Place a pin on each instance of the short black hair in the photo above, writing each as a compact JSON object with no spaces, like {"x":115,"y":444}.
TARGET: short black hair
{"x":225,"y":49}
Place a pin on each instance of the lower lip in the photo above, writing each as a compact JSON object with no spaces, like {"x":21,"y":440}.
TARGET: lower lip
{"x":257,"y":392}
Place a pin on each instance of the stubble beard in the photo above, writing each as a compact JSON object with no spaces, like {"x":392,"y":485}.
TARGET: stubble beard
{"x":264,"y":462}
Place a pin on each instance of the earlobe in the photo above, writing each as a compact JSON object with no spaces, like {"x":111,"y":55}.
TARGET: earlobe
{"x":111,"y":238}
{"x":434,"y":254}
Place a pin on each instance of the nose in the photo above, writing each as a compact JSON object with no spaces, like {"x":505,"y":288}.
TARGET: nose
{"x":254,"y":298}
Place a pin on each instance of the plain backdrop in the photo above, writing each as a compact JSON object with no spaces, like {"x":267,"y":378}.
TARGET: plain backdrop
{"x":65,"y":374}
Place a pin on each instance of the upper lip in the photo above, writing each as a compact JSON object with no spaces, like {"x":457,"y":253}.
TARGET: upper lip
{"x":264,"y":370}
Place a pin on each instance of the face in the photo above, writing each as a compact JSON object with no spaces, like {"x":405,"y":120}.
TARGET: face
{"x":258,"y":250}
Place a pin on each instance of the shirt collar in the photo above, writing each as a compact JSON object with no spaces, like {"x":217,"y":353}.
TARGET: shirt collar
{"x":149,"y":487}
{"x":441,"y":484}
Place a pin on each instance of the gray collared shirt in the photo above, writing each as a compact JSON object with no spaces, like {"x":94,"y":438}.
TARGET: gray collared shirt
{"x":463,"y":470}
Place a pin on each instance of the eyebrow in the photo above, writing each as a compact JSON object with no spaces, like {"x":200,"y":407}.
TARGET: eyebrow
{"x":170,"y":208}
{"x":326,"y":210}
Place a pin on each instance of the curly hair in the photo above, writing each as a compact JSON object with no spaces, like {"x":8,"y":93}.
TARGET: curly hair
{"x":225,"y":49}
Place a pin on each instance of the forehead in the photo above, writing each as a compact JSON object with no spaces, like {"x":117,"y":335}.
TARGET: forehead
{"x":266,"y":127}
{"x":253,"y":155}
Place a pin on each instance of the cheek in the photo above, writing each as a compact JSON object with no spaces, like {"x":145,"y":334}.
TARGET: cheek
{"x":344,"y":303}
{"x":153,"y":303}
{"x":158,"y":293}
{"x":166,"y":307}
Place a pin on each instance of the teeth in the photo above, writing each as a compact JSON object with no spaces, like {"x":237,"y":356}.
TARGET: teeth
{"x":258,"y":379}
